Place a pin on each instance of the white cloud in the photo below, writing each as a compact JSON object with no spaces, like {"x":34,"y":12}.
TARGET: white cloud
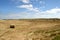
{"x":53,"y":11}
{"x":18,"y":1}
{"x":26,"y":6}
{"x":16,"y":15}
{"x":29,"y":7}
{"x":25,"y":1}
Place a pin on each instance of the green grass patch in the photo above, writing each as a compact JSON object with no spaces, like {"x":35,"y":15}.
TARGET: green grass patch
{"x":57,"y":38}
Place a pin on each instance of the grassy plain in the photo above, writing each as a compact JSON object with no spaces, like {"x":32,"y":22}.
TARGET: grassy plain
{"x":30,"y":29}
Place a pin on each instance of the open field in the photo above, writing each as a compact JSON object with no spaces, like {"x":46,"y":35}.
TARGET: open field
{"x":30,"y":29}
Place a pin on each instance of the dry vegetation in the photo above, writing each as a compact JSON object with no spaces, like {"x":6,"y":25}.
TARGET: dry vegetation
{"x":30,"y":29}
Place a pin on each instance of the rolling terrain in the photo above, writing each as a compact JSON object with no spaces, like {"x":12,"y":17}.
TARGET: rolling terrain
{"x":30,"y":29}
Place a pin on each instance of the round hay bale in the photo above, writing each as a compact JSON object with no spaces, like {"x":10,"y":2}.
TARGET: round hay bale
{"x":12,"y":26}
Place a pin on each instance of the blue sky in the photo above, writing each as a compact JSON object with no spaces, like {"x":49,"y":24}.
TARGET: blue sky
{"x":19,"y":9}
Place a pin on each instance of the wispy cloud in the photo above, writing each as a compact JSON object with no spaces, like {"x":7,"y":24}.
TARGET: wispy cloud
{"x":25,"y":1}
{"x":52,"y":13}
{"x":18,"y":1}
{"x":29,"y":7}
{"x":34,"y":11}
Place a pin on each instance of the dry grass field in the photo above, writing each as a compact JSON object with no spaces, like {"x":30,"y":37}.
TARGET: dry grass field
{"x":30,"y":29}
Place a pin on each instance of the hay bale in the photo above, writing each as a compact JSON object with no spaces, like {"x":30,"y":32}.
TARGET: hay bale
{"x":12,"y":26}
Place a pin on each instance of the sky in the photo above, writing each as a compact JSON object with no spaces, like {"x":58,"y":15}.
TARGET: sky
{"x":26,"y":9}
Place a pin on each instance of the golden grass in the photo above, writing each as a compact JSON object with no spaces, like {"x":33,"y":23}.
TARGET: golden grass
{"x":29,"y":29}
